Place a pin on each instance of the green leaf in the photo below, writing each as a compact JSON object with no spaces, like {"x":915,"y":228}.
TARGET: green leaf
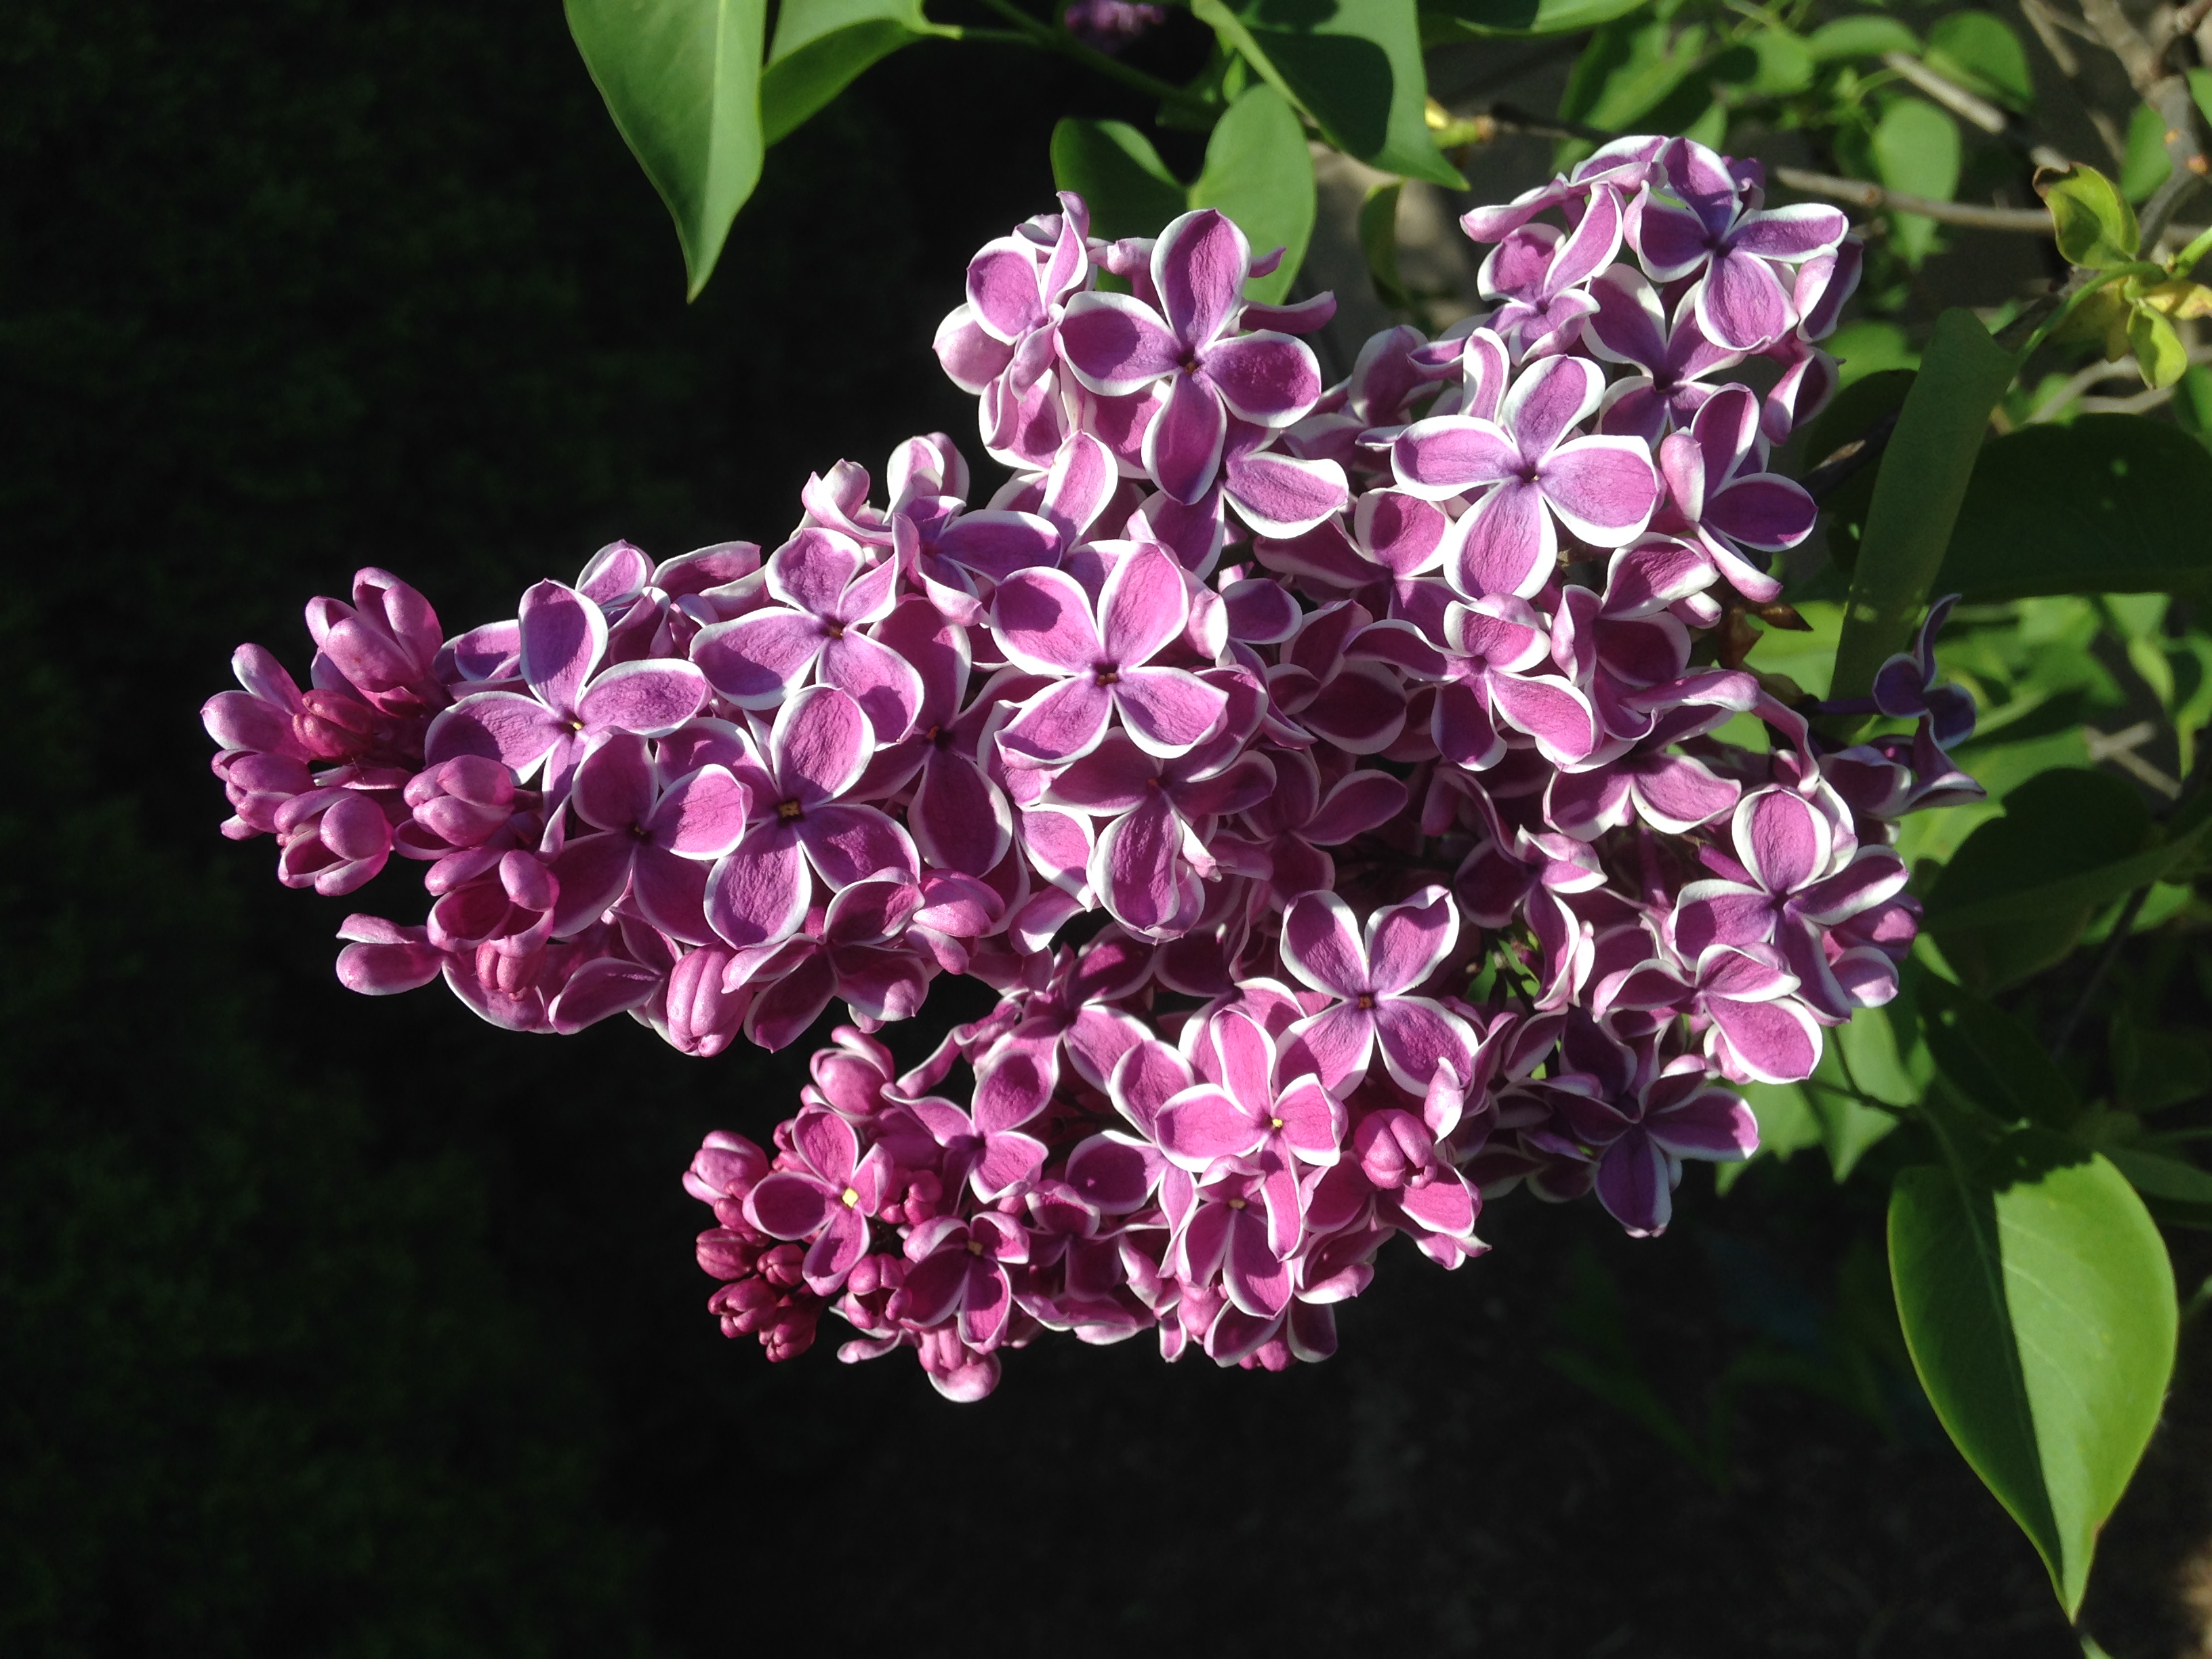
{"x":2039,"y":1307}
{"x":1917,"y":150}
{"x":2192,"y":403}
{"x":1114,"y":168}
{"x":682,"y":79}
{"x":2158,"y":351}
{"x":1629,"y":68}
{"x":1444,"y":22}
{"x":1979,"y":49}
{"x":821,"y":46}
{"x":2152,"y":1070}
{"x":1354,"y":65}
{"x":1924,"y":470}
{"x":2015,"y":897}
{"x":1379,"y":242}
{"x":2110,"y":503}
{"x":1868,"y":35}
{"x":1785,"y":64}
{"x":1260,"y":172}
{"x":1863,"y":404}
{"x":1993,"y":1060}
{"x":2154,"y":1175}
{"x":2147,"y":163}
{"x":2094,"y":226}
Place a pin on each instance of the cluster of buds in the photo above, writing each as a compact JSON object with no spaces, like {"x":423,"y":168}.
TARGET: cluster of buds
{"x":1328,"y":779}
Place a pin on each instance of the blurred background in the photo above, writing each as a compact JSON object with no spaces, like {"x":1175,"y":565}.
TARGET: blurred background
{"x":337,"y":1326}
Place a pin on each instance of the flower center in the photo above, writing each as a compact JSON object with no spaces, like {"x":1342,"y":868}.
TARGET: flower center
{"x":789,"y":812}
{"x":1275,"y":1123}
{"x":974,"y":1246}
{"x":1110,"y":673}
{"x":1236,"y":1203}
{"x":852,"y":1197}
{"x":835,"y":630}
{"x":1366,"y":1000}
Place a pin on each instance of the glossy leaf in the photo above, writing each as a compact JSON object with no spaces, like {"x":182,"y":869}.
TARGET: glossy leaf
{"x":1446,"y":21}
{"x":1979,"y":49}
{"x":1260,"y":172}
{"x":682,"y":79}
{"x":2094,"y":224}
{"x":2158,"y":351}
{"x":2038,"y":1306}
{"x":1917,"y":494}
{"x":2110,"y":503}
{"x":1378,"y":243}
{"x":2156,"y":1174}
{"x":1992,"y":1059}
{"x":1353,"y":65}
{"x":1916,"y":150}
{"x":1114,"y":168}
{"x":821,"y":45}
{"x":1629,"y":68}
{"x":2147,"y":164}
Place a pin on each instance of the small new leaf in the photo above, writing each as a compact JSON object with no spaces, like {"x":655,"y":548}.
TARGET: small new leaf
{"x":2094,"y":226}
{"x":2158,"y":351}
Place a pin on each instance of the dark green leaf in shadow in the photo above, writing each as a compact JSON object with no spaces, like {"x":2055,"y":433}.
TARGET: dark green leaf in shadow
{"x":1979,"y":49}
{"x":1444,"y":22}
{"x":1993,"y":1060}
{"x":1354,"y":65}
{"x":2111,"y":503}
{"x":820,"y":46}
{"x":1114,"y":168}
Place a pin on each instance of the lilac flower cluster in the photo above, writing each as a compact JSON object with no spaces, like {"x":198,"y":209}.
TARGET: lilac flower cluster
{"x":1326,"y":779}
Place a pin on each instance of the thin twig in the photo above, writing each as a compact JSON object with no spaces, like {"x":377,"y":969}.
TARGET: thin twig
{"x":2046,"y":24}
{"x":1835,"y":468}
{"x":1859,"y":193}
{"x":2125,"y":922}
{"x":2163,"y":88}
{"x":1972,"y":107}
{"x":2189,"y":19}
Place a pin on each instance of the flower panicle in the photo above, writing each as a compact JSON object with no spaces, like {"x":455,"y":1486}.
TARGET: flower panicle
{"x":1327,"y":779}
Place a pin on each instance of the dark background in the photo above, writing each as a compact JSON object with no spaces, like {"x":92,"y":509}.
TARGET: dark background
{"x":339,"y":1327}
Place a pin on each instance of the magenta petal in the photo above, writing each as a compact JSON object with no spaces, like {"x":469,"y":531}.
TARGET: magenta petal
{"x":1633,"y":1185}
{"x":1406,"y":943}
{"x":787,"y":1206}
{"x":1508,"y":546}
{"x":1763,"y":510}
{"x":1415,"y":1035}
{"x":932,"y":1285}
{"x":882,"y":682}
{"x":1321,"y":946}
{"x":1357,"y":802}
{"x":672,"y":891}
{"x":703,"y":815}
{"x":1774,"y":1041}
{"x":515,"y":731}
{"x":652,"y":698}
{"x":758,"y":894}
{"x":1183,"y":446}
{"x":1790,"y":233}
{"x":959,"y":819}
{"x":1199,"y":266}
{"x":1002,"y":288}
{"x":1784,"y":840}
{"x":1116,"y":344}
{"x":1281,"y":495}
{"x":846,"y":843}
{"x":1203,"y":1124}
{"x":563,"y":635}
{"x":1741,"y":304}
{"x":1042,"y":620}
{"x":1603,"y":489}
{"x":1257,"y":1281}
{"x":756,"y":659}
{"x":1135,"y":864}
{"x":1548,"y":401}
{"x":1447,"y":453}
{"x":820,"y":743}
{"x":1551,"y":711}
{"x":1143,"y":606}
{"x":1009,"y":1159}
{"x":1060,"y":723}
{"x":592,"y":871}
{"x":1269,"y":379}
{"x":1443,"y":1206}
{"x":1166,"y":710}
{"x":613,"y":787}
